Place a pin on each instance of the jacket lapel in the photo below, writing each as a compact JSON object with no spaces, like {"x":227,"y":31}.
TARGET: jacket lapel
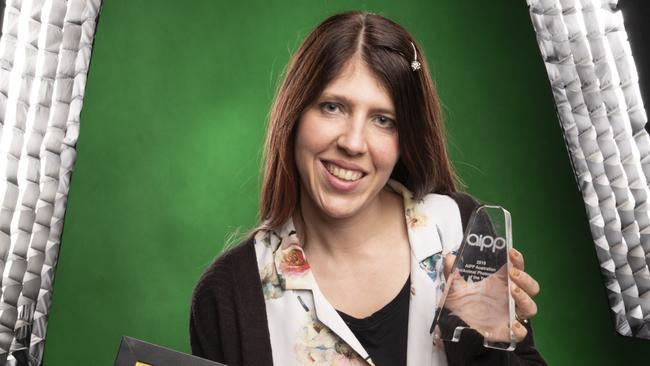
{"x":434,"y":229}
{"x":295,"y":274}
{"x":426,"y":261}
{"x":330,"y":317}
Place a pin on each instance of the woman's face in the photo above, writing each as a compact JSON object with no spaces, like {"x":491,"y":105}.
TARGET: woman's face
{"x":347,"y":143}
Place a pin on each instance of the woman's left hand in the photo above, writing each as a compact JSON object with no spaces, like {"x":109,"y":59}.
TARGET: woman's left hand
{"x":471,"y":301}
{"x":523,"y":289}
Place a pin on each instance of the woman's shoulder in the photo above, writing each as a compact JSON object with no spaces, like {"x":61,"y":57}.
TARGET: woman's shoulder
{"x":462,"y":197}
{"x":227,"y":295}
{"x":448,"y":206}
{"x":466,"y":204}
{"x":231,"y":266}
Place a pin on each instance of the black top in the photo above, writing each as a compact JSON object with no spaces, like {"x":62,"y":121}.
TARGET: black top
{"x":384,"y":334}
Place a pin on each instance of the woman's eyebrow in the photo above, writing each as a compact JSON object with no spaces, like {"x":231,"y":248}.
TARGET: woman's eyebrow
{"x":345,"y":100}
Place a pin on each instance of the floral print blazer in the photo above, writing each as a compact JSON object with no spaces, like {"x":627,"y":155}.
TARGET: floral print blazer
{"x":305,"y":329}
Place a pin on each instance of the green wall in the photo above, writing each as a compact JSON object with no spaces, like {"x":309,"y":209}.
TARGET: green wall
{"x":173,"y":121}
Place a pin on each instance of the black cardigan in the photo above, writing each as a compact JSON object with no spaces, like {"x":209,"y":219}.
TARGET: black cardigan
{"x":228,"y":316}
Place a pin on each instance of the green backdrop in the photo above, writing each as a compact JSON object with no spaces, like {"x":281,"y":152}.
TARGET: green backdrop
{"x":172,"y":127}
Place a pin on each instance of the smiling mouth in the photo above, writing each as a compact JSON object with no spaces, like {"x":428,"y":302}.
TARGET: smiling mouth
{"x":343,"y":174}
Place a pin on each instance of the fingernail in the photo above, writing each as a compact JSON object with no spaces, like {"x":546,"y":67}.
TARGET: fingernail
{"x":515,"y":272}
{"x":515,"y":253}
{"x":517,"y":289}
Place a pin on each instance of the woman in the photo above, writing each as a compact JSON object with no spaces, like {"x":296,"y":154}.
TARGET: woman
{"x":358,"y":181}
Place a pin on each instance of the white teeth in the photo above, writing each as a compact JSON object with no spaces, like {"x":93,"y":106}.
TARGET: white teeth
{"x":349,"y":175}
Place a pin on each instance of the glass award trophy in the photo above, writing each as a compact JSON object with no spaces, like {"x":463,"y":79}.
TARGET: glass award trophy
{"x":477,"y":291}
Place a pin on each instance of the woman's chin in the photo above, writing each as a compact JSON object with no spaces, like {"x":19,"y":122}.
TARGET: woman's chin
{"x":340,"y":209}
{"x":339,"y":214}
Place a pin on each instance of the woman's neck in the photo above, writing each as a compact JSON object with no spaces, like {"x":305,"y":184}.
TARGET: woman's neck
{"x":357,"y":236}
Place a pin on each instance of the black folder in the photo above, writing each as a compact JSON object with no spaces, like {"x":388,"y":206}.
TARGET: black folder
{"x":134,"y":352}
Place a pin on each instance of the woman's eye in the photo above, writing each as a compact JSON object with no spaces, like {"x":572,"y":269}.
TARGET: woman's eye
{"x":385,"y":122}
{"x":329,"y":107}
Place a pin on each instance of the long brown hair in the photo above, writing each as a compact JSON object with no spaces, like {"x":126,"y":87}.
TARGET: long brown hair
{"x":385,"y":47}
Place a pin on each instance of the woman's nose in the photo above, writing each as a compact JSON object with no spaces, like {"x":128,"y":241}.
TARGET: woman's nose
{"x":352,"y":138}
